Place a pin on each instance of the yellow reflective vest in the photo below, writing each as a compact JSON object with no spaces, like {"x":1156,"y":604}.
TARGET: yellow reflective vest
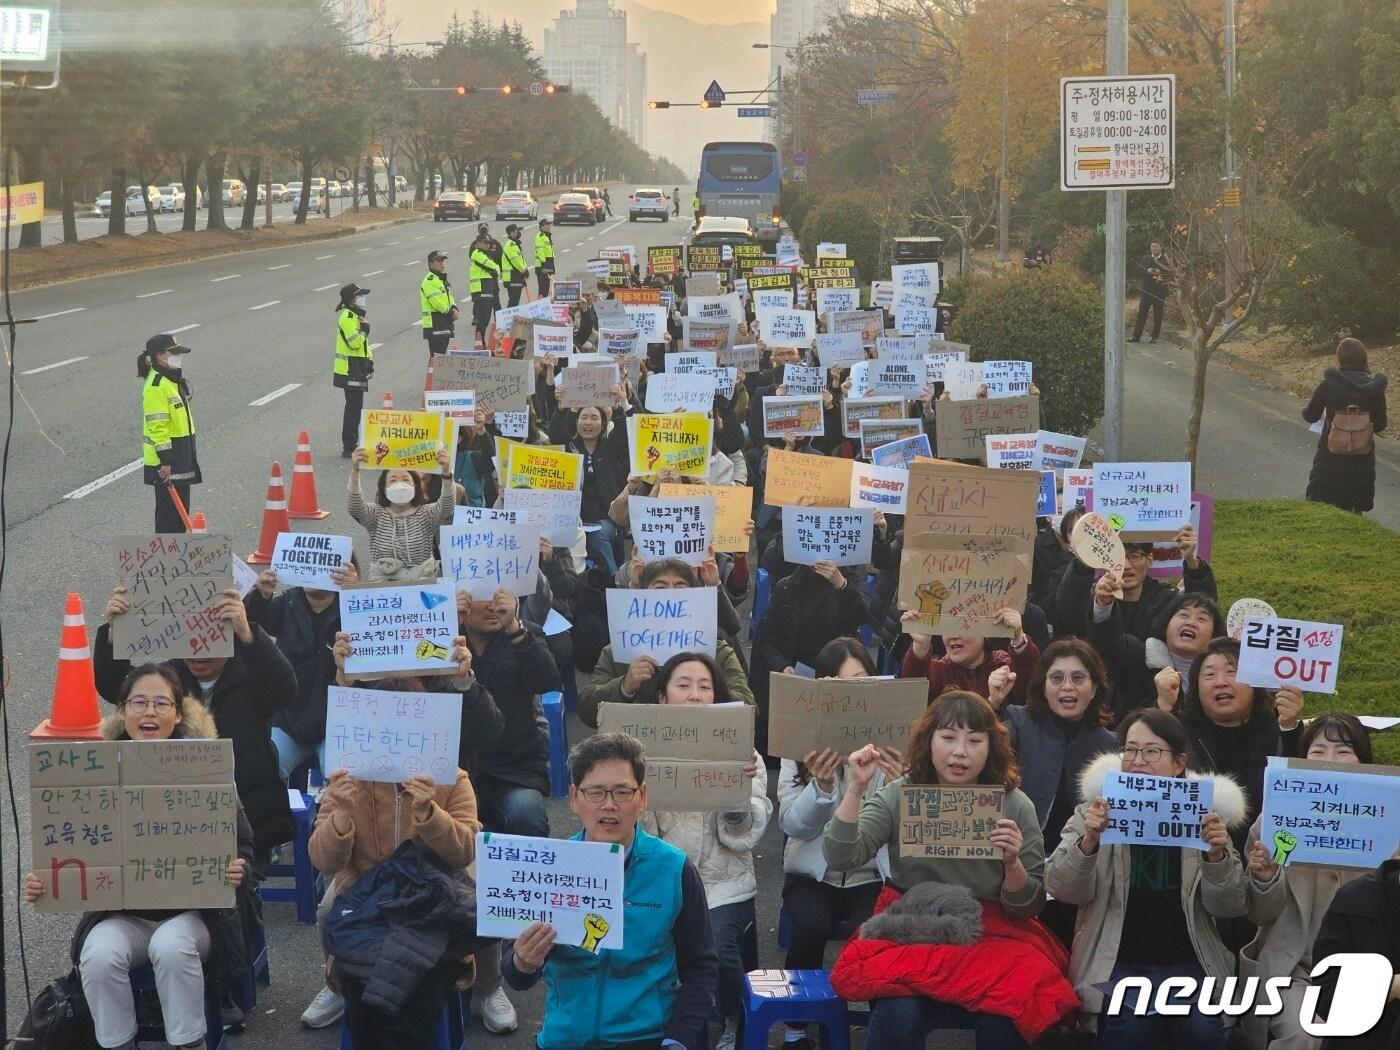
{"x":513,"y":268}
{"x":484,"y":269}
{"x":435,"y":297}
{"x":167,"y":428}
{"x":544,"y":251}
{"x":351,"y":342}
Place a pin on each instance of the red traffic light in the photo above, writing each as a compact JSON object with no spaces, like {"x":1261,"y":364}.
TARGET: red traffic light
{"x":549,"y":89}
{"x":506,"y":90}
{"x":462,"y":89}
{"x":654,"y":104}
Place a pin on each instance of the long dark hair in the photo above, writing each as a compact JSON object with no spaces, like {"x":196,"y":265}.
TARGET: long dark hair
{"x":1069,"y":649}
{"x":1193,"y":713}
{"x":1189,"y":600}
{"x":957,"y":709}
{"x":663,"y":677}
{"x":837,"y":651}
{"x":1340,"y":728}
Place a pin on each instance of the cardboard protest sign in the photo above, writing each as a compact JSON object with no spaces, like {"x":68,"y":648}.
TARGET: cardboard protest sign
{"x":1058,"y":451}
{"x":839,"y":535}
{"x":1145,"y":810}
{"x":1006,"y":378}
{"x":664,"y":258}
{"x":701,"y":732}
{"x":876,"y":433}
{"x":386,"y":737}
{"x":484,"y":557}
{"x":844,"y":714}
{"x":1247,"y":609}
{"x":1333,"y":814}
{"x":680,"y":391}
{"x":535,"y":467}
{"x":952,"y":499}
{"x":581,"y":387}
{"x":915,"y":320}
{"x":771,"y":298}
{"x":175,"y":584}
{"x":793,"y":416}
{"x":677,"y":441}
{"x":1300,"y":653}
{"x":788,"y":327}
{"x":937,"y":362}
{"x":573,"y":885}
{"x":854,"y":409}
{"x":957,"y":586}
{"x":1012,"y":451}
{"x":650,"y":321}
{"x":834,"y":300}
{"x":118,"y":825}
{"x":500,"y":383}
{"x":553,"y":513}
{"x":397,"y":440}
{"x":803,"y":379}
{"x":307,"y":559}
{"x":882,"y":488}
{"x":404,"y":629}
{"x":619,"y":342}
{"x":733,"y":508}
{"x":672,"y":528}
{"x":685,"y":785}
{"x":799,"y":479}
{"x":901,"y":453}
{"x":661,"y":623}
{"x":1145,"y":501}
{"x":963,"y":426}
{"x":954,"y":823}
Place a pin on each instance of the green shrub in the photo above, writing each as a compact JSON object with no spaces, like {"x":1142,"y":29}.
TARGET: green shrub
{"x":1334,"y":281}
{"x":1052,"y":318}
{"x":845,"y":218}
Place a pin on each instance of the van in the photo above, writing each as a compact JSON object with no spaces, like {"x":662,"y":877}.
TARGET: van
{"x":233,"y":192}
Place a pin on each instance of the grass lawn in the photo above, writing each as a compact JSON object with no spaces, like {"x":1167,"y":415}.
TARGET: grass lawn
{"x":1311,"y":561}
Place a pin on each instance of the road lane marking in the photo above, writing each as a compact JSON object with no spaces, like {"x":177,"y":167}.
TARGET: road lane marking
{"x":264,"y":306}
{"x":359,"y":250}
{"x":56,"y":364}
{"x":280,"y":266}
{"x":411,"y":262}
{"x":274,"y":395}
{"x":226,"y":277}
{"x":420,"y":237}
{"x":324,"y":287}
{"x":152,"y":295}
{"x":375,"y":346}
{"x":105,"y":479}
{"x":320,"y":257}
{"x":60,"y":313}
{"x":182,"y":328}
{"x":372,"y":273}
{"x":392,"y":243}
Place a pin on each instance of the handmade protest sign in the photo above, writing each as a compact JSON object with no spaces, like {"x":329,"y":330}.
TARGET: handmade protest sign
{"x":876,"y":433}
{"x":840,"y":535}
{"x":1144,"y":810}
{"x":844,"y":714}
{"x":744,"y":356}
{"x":963,"y":426}
{"x":836,"y":300}
{"x":554,"y":513}
{"x":1012,"y":451}
{"x":1146,"y":501}
{"x":954,"y":823}
{"x":574,"y":886}
{"x":1247,"y":609}
{"x":678,"y":441}
{"x":919,"y":278}
{"x":386,"y":736}
{"x":962,"y":380}
{"x":664,"y":258}
{"x":868,"y":324}
{"x":901,"y":453}
{"x":403,"y":629}
{"x":1006,"y":378}
{"x":854,"y":409}
{"x":785,"y":417}
{"x":802,"y":479}
{"x":695,"y":753}
{"x":714,"y":307}
{"x":1333,"y":814}
{"x":395,"y":440}
{"x":1167,"y":559}
{"x":704,"y":262}
{"x":475,"y":515}
{"x":457,"y":405}
{"x":619,"y":342}
{"x":692,"y":361}
{"x":677,"y":784}
{"x":957,"y":586}
{"x":915,"y":320}
{"x":1077,"y":486}
{"x":882,"y":294}
{"x":1300,"y":653}
{"x":672,"y":528}
{"x":888,"y":378}
{"x":770,"y":298}
{"x":907,"y":348}
{"x":484,"y":557}
{"x":803,"y":379}
{"x":881,"y":488}
{"x":307,"y":559}
{"x":549,"y":339}
{"x":513,"y":425}
{"x":535,"y":467}
{"x":581,"y":387}
{"x":566,"y":291}
{"x":788,"y":327}
{"x":500,"y":383}
{"x":712,"y":335}
{"x":1047,"y":503}
{"x":175,"y":584}
{"x":733,"y":507}
{"x":650,"y":321}
{"x":838,"y":349}
{"x":661,"y":623}
{"x":951,"y":499}
{"x":1058,"y":451}
{"x":244,"y":578}
{"x":680,"y":391}
{"x":937,"y":363}
{"x":611,"y":313}
{"x":1096,"y":543}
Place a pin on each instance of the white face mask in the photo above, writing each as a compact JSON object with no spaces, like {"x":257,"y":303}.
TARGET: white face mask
{"x":399,"y":492}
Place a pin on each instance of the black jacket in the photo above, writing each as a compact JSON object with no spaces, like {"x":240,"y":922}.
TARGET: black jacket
{"x":289,"y":619}
{"x":515,"y":673}
{"x":1156,"y":287}
{"x":1364,"y":917}
{"x":1243,"y":752}
{"x":1044,"y":749}
{"x":1074,"y":600}
{"x":1348,"y":482}
{"x":256,"y":684}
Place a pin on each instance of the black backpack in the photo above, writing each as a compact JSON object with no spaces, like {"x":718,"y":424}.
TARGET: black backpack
{"x":59,"y":1018}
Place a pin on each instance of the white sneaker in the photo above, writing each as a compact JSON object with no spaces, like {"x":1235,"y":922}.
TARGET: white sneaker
{"x":497,"y":1013}
{"x":728,"y":1038}
{"x":325,"y":1010}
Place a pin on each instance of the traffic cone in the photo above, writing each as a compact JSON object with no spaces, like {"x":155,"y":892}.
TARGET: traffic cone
{"x":274,"y":518}
{"x":198,"y":526}
{"x":304,"y":505}
{"x":428,"y":382}
{"x":388,"y":401}
{"x":73,"y":715}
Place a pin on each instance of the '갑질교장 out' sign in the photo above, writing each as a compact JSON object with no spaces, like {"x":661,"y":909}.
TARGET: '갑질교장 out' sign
{"x":175,"y":584}
{"x":695,"y":754}
{"x":574,"y":886}
{"x":395,"y":440}
{"x":1300,"y":653}
{"x":958,"y":586}
{"x":955,"y":823}
{"x":1144,"y":501}
{"x":404,"y":629}
{"x":661,"y":623}
{"x":963,"y":426}
{"x":387,"y":736}
{"x":839,"y":535}
{"x":1146,"y":810}
{"x":811,"y":714}
{"x":1334,"y":814}
{"x":483,"y":557}
{"x":133,"y":824}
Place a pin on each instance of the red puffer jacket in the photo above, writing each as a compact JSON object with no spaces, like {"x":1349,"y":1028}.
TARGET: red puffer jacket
{"x":1015,"y":970}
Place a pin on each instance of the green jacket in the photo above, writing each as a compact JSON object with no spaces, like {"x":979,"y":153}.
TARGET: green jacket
{"x":513,"y":268}
{"x":606,"y":684}
{"x":435,"y":297}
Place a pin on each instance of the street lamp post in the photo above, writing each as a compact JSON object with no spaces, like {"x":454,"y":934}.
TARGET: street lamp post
{"x":797,"y":93}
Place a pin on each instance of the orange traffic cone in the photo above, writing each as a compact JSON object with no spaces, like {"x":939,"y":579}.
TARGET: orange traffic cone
{"x":73,"y":714}
{"x":198,"y":526}
{"x":274,"y":518}
{"x":304,"y":505}
{"x":388,"y":401}
{"x":428,"y":382}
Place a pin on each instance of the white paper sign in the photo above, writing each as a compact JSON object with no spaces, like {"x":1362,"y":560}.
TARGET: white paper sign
{"x":695,"y":361}
{"x":386,"y":737}
{"x":1012,"y":451}
{"x":687,"y":391}
{"x":1077,"y":486}
{"x":1300,"y":653}
{"x":661,"y":623}
{"x":1156,"y":811}
{"x":772,"y":299}
{"x":840,"y":534}
{"x":920,"y":279}
{"x":906,"y":348}
{"x":650,"y":322}
{"x":839,"y":349}
{"x":1150,"y":497}
{"x":895,"y":378}
{"x":937,"y":364}
{"x":306,"y":559}
{"x":961,"y":381}
{"x":834,"y":300}
{"x":788,"y":327}
{"x":915,"y":320}
{"x":803,"y":379}
{"x":477,"y":515}
{"x":831,"y":250}
{"x":457,"y":405}
{"x":551,"y":340}
{"x":715,"y":307}
{"x":406,"y":629}
{"x":513,"y":424}
{"x":882,"y":294}
{"x":553,"y":513}
{"x":672,"y":528}
{"x":484,"y":557}
{"x":881,"y":488}
{"x":1007,"y":378}
{"x":245,"y":578}
{"x":619,"y":342}
{"x":572,"y":885}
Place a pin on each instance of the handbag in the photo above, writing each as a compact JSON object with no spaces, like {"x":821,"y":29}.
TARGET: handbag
{"x":59,"y":1018}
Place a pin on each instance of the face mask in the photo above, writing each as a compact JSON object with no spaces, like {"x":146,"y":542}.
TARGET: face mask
{"x":360,"y":300}
{"x":399,"y":492}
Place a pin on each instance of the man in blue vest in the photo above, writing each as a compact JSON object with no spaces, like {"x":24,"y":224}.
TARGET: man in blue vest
{"x":661,"y":984}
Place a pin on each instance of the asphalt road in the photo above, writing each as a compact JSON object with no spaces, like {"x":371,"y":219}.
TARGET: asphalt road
{"x":261,"y":325}
{"x":90,"y":224}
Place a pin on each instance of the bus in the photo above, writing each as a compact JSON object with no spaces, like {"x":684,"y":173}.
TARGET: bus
{"x":742,"y":179}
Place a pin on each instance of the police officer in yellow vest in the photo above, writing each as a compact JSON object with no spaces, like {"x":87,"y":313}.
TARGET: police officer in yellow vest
{"x":167,"y":429}
{"x":513,"y":268}
{"x":354,"y":362}
{"x":544,"y":259}
{"x":438,"y":306}
{"x":485,"y":283}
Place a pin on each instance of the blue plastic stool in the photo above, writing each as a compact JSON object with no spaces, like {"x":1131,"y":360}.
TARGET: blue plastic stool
{"x":761,"y":593}
{"x":303,"y":873}
{"x":143,"y":979}
{"x":796,"y":997}
{"x":450,"y":1033}
{"x":558,"y":744}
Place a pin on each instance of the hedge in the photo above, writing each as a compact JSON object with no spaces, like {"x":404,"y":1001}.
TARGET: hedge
{"x":845,"y":218}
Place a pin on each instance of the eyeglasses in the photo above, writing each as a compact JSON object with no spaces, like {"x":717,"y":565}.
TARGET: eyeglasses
{"x":144,"y":705}
{"x":1137,"y":556}
{"x":1148,"y":754}
{"x":1059,"y":678}
{"x":617,"y":794}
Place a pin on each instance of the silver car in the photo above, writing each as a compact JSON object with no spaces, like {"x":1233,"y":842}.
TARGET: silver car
{"x":516,"y":204}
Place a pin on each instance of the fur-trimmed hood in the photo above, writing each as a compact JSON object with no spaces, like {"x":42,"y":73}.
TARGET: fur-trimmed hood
{"x":1229,"y":800}
{"x":930,"y":913}
{"x":196,"y":724}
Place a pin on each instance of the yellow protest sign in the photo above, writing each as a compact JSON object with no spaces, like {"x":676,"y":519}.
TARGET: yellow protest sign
{"x":25,"y":204}
{"x":678,"y":441}
{"x":533,"y":467}
{"x":397,"y":440}
{"x":799,"y":479}
{"x":733,"y":509}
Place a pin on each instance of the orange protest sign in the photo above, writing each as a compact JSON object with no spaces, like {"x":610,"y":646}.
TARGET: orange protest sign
{"x":799,"y":479}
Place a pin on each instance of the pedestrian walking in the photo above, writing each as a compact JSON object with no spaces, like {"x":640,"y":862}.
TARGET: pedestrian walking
{"x":607,"y":202}
{"x":1350,"y":401}
{"x":438,"y":307}
{"x":676,"y":200}
{"x":544,"y":259}
{"x":354,"y":362}
{"x":1152,"y":291}
{"x":167,"y":429}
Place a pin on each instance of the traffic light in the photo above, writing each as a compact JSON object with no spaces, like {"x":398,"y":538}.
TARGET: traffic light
{"x":549,"y":89}
{"x":506,"y":90}
{"x":462,"y":89}
{"x":707,"y":104}
{"x":658,"y":105}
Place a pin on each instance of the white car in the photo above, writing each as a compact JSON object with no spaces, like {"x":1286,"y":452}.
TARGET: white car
{"x":648,"y":204}
{"x":139,"y":199}
{"x":103,"y":204}
{"x":172,"y":197}
{"x":279,"y":193}
{"x":516,"y":204}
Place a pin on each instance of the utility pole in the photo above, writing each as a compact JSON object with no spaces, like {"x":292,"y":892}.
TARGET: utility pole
{"x":1229,"y":214}
{"x":1003,"y":188}
{"x":1115,"y":259}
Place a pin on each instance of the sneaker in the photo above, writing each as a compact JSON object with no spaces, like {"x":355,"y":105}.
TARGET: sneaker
{"x":325,"y":1010}
{"x":728,"y":1039}
{"x":497,"y":1013}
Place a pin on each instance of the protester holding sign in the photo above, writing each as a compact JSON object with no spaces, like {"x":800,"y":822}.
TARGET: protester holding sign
{"x":971,"y":665}
{"x":1148,"y":911}
{"x":152,"y":704}
{"x":403,"y":526}
{"x":604,"y":475}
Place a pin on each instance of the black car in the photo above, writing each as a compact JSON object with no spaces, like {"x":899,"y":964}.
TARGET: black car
{"x":574,"y":207}
{"x":455,"y":205}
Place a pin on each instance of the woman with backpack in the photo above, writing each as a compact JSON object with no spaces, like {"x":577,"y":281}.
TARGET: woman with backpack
{"x":1350,"y":401}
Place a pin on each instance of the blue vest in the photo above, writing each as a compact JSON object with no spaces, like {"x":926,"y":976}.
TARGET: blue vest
{"x":626,"y":995}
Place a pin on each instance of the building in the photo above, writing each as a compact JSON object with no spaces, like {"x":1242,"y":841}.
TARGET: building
{"x":587,"y":49}
{"x":364,"y":22}
{"x":790,"y":22}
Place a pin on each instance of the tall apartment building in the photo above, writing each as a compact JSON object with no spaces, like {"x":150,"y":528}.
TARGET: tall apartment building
{"x":788,"y":25}
{"x":364,"y":22}
{"x":587,"y":49}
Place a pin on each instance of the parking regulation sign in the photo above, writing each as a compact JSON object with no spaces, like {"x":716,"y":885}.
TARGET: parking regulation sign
{"x":1118,"y":133}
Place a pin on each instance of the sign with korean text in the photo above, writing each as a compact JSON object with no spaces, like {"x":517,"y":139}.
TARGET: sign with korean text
{"x":710,"y":335}
{"x":1144,"y":501}
{"x":551,"y":339}
{"x":953,"y":823}
{"x":175,"y":584}
{"x":554,"y":513}
{"x":403,"y":629}
{"x":395,"y":440}
{"x":844,"y":714}
{"x":1333,"y":814}
{"x":1118,"y":132}
{"x":918,"y":278}
{"x":785,"y":417}
{"x":840,"y":535}
{"x":876,"y":433}
{"x":1096,"y":543}
{"x":307,"y":559}
{"x":1012,"y":451}
{"x":744,"y":356}
{"x":1006,"y":378}
{"x":695,"y":754}
{"x":486,"y":556}
{"x":963,"y":426}
{"x":672,"y":528}
{"x":880,"y":488}
{"x":664,"y":258}
{"x":936,"y":364}
{"x":535,"y":467}
{"x":887,"y":378}
{"x":1144,"y":810}
{"x":25,"y":202}
{"x":957,"y":586}
{"x":661,"y":623}
{"x":803,"y":379}
{"x":680,"y":391}
{"x":386,"y":736}
{"x":1278,"y":652}
{"x":619,"y":342}
{"x":566,"y":291}
{"x":500,"y":383}
{"x":703,"y":257}
{"x":839,"y":349}
{"x":1048,"y":504}
{"x":457,"y":405}
{"x":855,"y":409}
{"x":587,"y":386}
{"x":650,"y":321}
{"x":733,"y":507}
{"x":834,"y":300}
{"x":1058,"y":451}
{"x":677,"y":441}
{"x":799,"y":479}
{"x":952,"y":499}
{"x":788,"y":327}
{"x":901,"y":453}
{"x":572,"y":885}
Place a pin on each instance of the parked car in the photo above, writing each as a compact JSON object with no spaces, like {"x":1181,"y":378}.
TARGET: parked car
{"x":172,"y":197}
{"x":456,"y":204}
{"x":595,"y":198}
{"x":233,"y":192}
{"x":576,"y":208}
{"x":333,"y":188}
{"x":648,"y":204}
{"x":279,"y":193}
{"x":516,"y":204}
{"x":400,"y":184}
{"x":139,"y":199}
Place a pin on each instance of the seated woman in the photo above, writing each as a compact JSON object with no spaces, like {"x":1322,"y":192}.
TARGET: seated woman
{"x":970,"y":662}
{"x":152,"y":705}
{"x":403,"y":526}
{"x":1288,"y":903}
{"x":997,"y":972}
{"x":1148,"y":911}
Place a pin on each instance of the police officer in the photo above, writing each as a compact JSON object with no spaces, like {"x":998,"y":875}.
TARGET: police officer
{"x":695,"y":205}
{"x":513,"y":268}
{"x":497,"y":254}
{"x":438,"y":306}
{"x":485,"y":284}
{"x":544,"y":259}
{"x":354,"y":362}
{"x":167,"y":429}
